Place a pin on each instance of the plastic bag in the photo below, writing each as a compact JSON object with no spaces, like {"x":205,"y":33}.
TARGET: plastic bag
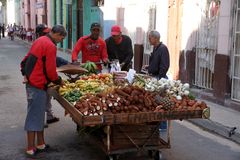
{"x":130,"y":75}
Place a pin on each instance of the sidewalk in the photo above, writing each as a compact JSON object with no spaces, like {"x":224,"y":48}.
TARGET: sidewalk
{"x":222,"y":119}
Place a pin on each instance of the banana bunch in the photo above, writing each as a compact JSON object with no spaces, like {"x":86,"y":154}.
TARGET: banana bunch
{"x":90,"y":66}
{"x":66,"y":88}
{"x":139,"y":84}
{"x":89,"y":86}
{"x":139,"y":81}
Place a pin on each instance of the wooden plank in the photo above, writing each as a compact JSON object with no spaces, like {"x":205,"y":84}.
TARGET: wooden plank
{"x":92,"y":120}
{"x":123,"y":118}
{"x":74,"y":113}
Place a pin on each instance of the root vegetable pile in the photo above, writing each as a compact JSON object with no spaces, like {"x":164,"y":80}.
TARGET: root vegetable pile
{"x":132,"y":99}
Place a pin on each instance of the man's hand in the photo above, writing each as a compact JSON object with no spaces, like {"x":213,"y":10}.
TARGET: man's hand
{"x":122,"y":64}
{"x":25,"y":80}
{"x":75,"y":62}
{"x":62,"y":83}
{"x":145,"y":67}
{"x":105,"y":62}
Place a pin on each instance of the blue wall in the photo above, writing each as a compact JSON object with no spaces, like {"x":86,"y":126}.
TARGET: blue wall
{"x":107,"y":28}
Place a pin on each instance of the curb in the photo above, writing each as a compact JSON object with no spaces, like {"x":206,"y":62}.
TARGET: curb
{"x":216,"y":128}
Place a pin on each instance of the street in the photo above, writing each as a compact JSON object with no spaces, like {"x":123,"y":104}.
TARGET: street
{"x":188,"y":142}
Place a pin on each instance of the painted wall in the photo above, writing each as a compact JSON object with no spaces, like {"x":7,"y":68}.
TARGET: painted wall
{"x":40,"y":10}
{"x":10,"y":10}
{"x":17,"y":12}
{"x":1,"y":13}
{"x":191,"y":20}
{"x":22,"y":13}
{"x":224,"y":27}
{"x":49,"y":13}
{"x":33,"y":14}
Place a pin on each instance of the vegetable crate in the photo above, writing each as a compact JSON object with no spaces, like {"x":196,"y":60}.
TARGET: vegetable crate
{"x":135,"y":138}
{"x":130,"y":131}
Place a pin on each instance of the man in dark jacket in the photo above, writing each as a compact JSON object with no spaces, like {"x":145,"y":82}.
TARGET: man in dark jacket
{"x":120,"y":47}
{"x":39,"y":67}
{"x":159,"y":60}
{"x":1,"y":28}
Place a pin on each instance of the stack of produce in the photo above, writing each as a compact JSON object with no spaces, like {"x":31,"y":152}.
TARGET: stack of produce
{"x":90,"y":67}
{"x":132,"y":99}
{"x":119,"y":78}
{"x":170,"y":87}
{"x":88,"y":84}
{"x":105,"y":78}
{"x":140,"y":80}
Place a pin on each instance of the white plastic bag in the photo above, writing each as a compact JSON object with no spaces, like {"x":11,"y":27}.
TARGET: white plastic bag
{"x":130,"y":75}
{"x":115,"y":66}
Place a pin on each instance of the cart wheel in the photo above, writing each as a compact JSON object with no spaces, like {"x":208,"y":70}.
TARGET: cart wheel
{"x":78,"y":128}
{"x":158,"y":155}
{"x":150,"y":153}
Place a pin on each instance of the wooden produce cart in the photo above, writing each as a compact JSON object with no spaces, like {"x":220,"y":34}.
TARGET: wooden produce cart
{"x":127,"y":132}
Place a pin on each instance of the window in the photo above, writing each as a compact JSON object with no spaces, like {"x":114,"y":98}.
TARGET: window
{"x":151,"y":26}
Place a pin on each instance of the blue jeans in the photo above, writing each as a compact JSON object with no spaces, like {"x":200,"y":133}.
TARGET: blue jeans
{"x":37,"y":102}
{"x":163,"y":124}
{"x":60,"y":61}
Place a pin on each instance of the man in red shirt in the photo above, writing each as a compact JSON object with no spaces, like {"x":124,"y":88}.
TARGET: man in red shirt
{"x":92,"y":46}
{"x":40,"y":69}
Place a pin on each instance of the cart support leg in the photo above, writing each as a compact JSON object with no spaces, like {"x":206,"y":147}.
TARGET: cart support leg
{"x":108,"y":138}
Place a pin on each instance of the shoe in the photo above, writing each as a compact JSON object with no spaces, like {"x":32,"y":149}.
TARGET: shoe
{"x":31,"y":155}
{"x":45,"y":149}
{"x":53,"y":120}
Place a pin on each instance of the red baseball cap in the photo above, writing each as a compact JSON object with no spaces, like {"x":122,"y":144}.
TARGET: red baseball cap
{"x":116,"y":30}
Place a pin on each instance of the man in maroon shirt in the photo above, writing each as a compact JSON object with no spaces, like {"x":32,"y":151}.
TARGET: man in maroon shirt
{"x":40,"y":69}
{"x":92,"y":46}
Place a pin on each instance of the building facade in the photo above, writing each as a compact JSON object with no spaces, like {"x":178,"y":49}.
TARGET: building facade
{"x":202,"y":35}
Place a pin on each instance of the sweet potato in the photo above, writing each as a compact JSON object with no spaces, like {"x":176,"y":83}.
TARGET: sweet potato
{"x":125,"y":108}
{"x":135,"y":98}
{"x":135,"y":108}
{"x":203,"y":105}
{"x":114,"y":111}
{"x":140,"y":106}
{"x":121,"y":92}
{"x":191,"y":102}
{"x":104,"y":106}
{"x":144,"y":109}
{"x":130,"y":98}
{"x":117,"y":108}
{"x":127,"y":90}
{"x":109,"y":103}
{"x":85,"y":104}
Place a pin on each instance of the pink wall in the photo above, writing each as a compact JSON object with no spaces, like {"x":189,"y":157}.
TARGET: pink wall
{"x":34,"y":12}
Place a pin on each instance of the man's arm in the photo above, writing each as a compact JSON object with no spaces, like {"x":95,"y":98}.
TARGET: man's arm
{"x":129,"y":51}
{"x":76,"y":50}
{"x":23,"y":63}
{"x":104,"y":53}
{"x":164,"y":63}
{"x":50,"y":66}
